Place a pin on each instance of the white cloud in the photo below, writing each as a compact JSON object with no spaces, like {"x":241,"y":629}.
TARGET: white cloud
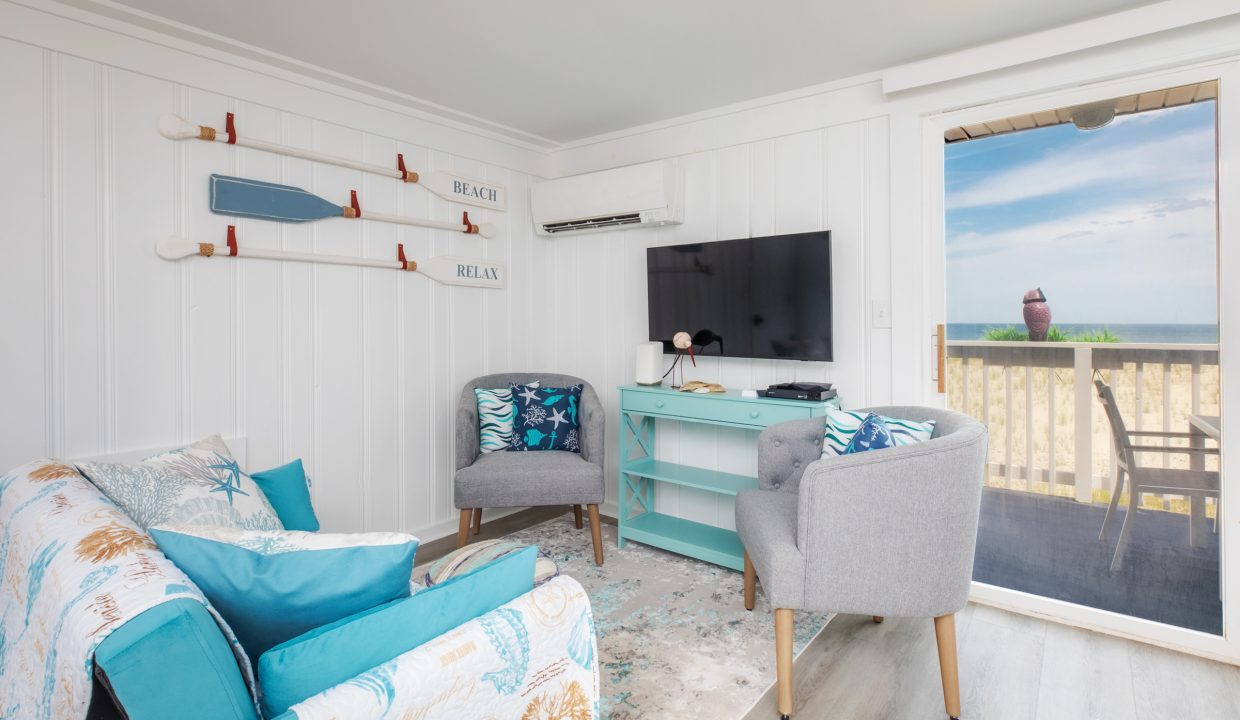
{"x":1131,"y":262}
{"x":1173,"y":158}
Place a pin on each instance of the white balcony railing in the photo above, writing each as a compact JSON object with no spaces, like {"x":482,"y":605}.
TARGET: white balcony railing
{"x":1048,"y":433}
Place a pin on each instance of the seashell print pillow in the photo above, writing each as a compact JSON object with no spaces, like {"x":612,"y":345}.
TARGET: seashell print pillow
{"x":199,"y":484}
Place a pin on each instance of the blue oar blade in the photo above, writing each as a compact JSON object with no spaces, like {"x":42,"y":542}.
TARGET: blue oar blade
{"x":267,"y":201}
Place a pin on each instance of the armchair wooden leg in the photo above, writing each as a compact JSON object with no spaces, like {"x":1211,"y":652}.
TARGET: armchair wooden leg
{"x":877,"y":619}
{"x":477,"y":520}
{"x":596,"y":531}
{"x":751,"y":578}
{"x":783,"y":660}
{"x":577,"y":516}
{"x":945,"y":634}
{"x":463,"y":532}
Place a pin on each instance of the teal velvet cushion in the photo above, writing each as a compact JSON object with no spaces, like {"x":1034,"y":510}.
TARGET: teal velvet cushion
{"x":172,"y":661}
{"x":274,"y":585}
{"x":327,"y":656}
{"x":289,"y":493}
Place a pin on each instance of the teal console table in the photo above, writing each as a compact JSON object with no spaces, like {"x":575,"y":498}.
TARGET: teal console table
{"x":640,"y":472}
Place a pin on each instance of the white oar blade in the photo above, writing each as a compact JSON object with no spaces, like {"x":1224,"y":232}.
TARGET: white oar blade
{"x":470,"y":272}
{"x":175,"y":127}
{"x":175,"y":248}
{"x":465,"y":190}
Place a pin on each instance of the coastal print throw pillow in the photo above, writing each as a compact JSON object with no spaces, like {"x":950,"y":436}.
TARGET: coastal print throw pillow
{"x":200,"y":484}
{"x":546,"y":418}
{"x":843,"y":424}
{"x":872,"y":435}
{"x":496,"y":413}
{"x":480,"y":554}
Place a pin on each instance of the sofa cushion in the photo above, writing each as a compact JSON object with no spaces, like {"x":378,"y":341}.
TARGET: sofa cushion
{"x":288,"y":491}
{"x":274,"y":585}
{"x":841,"y":425}
{"x":199,"y":484}
{"x":172,"y":661}
{"x":463,"y":561}
{"x":531,"y":478}
{"x":329,"y":655}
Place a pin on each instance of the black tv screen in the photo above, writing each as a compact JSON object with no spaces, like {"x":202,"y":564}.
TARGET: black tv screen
{"x":767,"y":297}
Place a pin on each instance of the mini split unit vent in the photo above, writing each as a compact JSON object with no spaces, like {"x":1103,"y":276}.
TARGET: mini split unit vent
{"x":646,"y":195}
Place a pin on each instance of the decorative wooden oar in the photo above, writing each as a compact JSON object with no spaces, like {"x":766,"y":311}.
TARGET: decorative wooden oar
{"x":448,"y":186}
{"x":445,"y":269}
{"x":282,"y":203}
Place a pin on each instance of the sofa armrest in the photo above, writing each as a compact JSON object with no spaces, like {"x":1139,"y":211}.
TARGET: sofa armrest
{"x":892,"y":532}
{"x":538,"y":651}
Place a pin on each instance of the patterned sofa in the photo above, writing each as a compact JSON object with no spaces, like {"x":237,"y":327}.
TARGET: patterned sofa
{"x":88,"y":601}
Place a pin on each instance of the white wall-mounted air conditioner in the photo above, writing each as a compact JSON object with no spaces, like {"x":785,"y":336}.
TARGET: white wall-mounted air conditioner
{"x":646,"y":195}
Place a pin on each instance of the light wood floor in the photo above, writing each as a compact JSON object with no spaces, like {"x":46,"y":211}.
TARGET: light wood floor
{"x":1012,"y":667}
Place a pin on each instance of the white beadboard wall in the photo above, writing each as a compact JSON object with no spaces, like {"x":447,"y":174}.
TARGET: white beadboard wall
{"x":108,"y":347}
{"x":834,"y":178}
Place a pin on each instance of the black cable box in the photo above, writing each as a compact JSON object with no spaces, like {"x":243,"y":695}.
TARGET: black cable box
{"x":816,"y":392}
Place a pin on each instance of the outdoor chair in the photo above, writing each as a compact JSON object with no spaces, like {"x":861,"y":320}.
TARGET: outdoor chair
{"x":1197,"y":485}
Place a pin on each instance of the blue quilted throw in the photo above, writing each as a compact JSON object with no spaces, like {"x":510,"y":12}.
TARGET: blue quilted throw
{"x":546,"y":418}
{"x":75,"y":569}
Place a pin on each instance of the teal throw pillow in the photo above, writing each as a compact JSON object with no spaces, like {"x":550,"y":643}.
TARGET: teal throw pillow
{"x":270,"y":586}
{"x":288,"y":491}
{"x":329,"y":655}
{"x":546,"y":418}
{"x":872,"y":435}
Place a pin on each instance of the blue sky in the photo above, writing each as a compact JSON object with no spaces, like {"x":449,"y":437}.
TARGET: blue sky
{"x":1116,"y":225}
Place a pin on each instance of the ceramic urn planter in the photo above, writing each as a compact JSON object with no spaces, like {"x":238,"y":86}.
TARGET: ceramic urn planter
{"x":1037,"y":315}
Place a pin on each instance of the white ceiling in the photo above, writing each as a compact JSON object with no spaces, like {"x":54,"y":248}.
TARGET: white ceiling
{"x":562,"y":70}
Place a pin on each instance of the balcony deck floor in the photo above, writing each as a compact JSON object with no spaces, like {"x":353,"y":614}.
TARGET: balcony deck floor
{"x":1049,"y":546}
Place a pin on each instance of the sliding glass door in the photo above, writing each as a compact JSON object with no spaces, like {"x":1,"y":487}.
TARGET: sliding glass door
{"x":1081,"y":303}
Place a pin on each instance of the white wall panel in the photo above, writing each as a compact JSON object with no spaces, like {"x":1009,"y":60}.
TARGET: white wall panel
{"x":356,"y":371}
{"x":25,"y":290}
{"x":824,"y":179}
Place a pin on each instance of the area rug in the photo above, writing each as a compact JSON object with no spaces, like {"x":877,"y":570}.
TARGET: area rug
{"x":674,"y":638}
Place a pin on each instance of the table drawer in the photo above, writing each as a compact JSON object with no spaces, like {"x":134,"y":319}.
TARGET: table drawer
{"x":729,"y":412}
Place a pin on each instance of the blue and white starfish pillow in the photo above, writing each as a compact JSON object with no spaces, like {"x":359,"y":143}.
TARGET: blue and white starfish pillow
{"x":200,"y":484}
{"x":546,"y":418}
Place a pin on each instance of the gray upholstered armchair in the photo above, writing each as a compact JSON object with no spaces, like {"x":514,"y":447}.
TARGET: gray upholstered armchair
{"x":887,"y":532}
{"x":526,"y":479}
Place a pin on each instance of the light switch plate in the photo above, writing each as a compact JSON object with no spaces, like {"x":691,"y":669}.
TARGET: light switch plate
{"x":881,"y":314}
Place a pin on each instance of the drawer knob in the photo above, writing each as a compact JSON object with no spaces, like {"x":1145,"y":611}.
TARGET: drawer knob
{"x":658,"y":403}
{"x":753,"y":413}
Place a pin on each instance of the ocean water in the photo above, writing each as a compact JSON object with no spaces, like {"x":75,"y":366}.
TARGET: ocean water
{"x":1129,"y":333}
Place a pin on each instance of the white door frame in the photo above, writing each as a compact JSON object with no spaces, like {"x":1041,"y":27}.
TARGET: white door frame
{"x":1227,"y":647}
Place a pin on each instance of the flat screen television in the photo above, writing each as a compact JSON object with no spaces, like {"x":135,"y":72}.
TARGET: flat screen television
{"x":766,"y":297}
